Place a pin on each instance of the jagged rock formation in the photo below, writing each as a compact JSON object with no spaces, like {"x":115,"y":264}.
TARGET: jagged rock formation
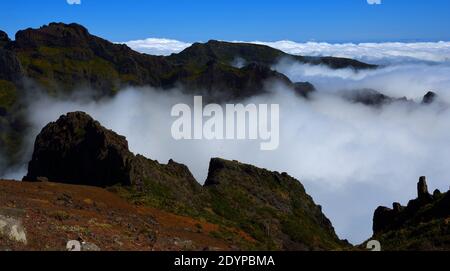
{"x":272,"y":208}
{"x":421,"y":225}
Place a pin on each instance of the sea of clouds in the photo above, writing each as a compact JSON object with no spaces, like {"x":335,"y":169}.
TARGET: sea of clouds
{"x":377,"y":53}
{"x":350,"y":157}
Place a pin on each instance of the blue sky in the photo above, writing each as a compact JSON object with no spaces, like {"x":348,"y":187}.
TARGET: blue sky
{"x":201,"y":20}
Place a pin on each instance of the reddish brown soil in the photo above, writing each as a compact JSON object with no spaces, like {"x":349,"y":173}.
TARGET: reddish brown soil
{"x":54,"y":213}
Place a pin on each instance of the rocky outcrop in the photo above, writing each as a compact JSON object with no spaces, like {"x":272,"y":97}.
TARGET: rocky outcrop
{"x":421,"y":225}
{"x":76,"y":149}
{"x":429,"y":98}
{"x":272,"y":206}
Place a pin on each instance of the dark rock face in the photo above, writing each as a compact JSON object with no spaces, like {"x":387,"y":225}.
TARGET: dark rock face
{"x":429,"y":98}
{"x":10,"y":67}
{"x":76,"y":149}
{"x":272,"y":204}
{"x":421,"y":225}
{"x":422,"y":189}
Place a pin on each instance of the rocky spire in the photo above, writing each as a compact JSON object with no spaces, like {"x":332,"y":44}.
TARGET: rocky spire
{"x":422,"y":188}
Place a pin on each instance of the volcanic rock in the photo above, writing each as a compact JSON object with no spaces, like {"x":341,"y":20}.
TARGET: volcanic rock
{"x":429,"y":98}
{"x":76,"y":149}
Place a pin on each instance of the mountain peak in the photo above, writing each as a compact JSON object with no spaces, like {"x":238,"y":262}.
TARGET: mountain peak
{"x":53,"y":34}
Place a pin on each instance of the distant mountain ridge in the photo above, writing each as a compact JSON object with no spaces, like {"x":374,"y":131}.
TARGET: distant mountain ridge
{"x":62,"y":58}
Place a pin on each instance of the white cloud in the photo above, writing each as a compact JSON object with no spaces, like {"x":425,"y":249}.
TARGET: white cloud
{"x":155,"y":46}
{"x":74,"y":2}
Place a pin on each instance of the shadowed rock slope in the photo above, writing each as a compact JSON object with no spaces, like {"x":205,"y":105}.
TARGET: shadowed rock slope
{"x":424,"y":224}
{"x":272,"y":208}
